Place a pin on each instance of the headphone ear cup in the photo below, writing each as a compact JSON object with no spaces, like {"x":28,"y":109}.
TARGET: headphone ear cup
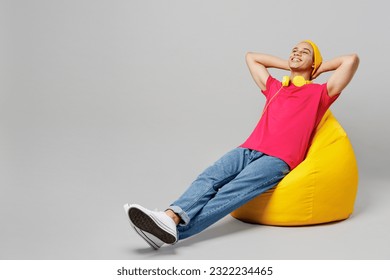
{"x":286,"y":81}
{"x":299,"y":81}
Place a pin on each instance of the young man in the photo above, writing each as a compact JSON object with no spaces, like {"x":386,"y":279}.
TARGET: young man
{"x":277,"y":145}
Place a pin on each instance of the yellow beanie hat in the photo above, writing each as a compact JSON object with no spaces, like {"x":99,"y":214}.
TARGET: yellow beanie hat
{"x":317,"y":55}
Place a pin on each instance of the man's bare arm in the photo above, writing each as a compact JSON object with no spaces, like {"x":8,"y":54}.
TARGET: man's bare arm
{"x":344,"y":68}
{"x":258,"y":64}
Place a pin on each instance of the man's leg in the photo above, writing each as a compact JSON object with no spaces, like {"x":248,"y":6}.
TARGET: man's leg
{"x":162,"y":225}
{"x":257,"y":177}
{"x":210,"y":181}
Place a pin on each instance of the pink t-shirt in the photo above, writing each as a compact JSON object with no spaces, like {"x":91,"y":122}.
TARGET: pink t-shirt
{"x":285,"y":129}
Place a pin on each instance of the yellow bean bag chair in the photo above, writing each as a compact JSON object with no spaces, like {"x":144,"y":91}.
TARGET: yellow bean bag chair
{"x":320,"y":189}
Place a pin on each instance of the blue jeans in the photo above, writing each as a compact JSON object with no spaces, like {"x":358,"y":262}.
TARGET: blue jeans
{"x":236,"y":178}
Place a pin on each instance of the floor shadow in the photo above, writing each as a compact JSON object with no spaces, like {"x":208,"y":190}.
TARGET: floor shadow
{"x":229,"y":226}
{"x":226,"y":227}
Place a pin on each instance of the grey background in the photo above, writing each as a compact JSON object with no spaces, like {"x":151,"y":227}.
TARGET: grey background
{"x":108,"y":102}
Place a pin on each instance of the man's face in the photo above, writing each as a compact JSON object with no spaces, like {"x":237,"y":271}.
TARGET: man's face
{"x":301,"y":57}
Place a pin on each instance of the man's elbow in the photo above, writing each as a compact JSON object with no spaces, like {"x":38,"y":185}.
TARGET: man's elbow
{"x":249,"y":56}
{"x":354,"y":60}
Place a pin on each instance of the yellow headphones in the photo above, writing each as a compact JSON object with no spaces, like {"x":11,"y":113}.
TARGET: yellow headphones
{"x":297,"y":81}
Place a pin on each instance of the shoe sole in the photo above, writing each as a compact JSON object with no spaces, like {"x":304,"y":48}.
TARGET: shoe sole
{"x":146,"y":223}
{"x":150,"y":242}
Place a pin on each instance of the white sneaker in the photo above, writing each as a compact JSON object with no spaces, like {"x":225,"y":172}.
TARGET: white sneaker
{"x":156,"y":228}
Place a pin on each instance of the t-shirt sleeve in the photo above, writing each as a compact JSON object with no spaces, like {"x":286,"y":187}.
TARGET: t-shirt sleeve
{"x":270,"y":85}
{"x":326,"y":100}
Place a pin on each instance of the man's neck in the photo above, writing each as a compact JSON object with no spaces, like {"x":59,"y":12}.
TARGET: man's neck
{"x":305,"y":75}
